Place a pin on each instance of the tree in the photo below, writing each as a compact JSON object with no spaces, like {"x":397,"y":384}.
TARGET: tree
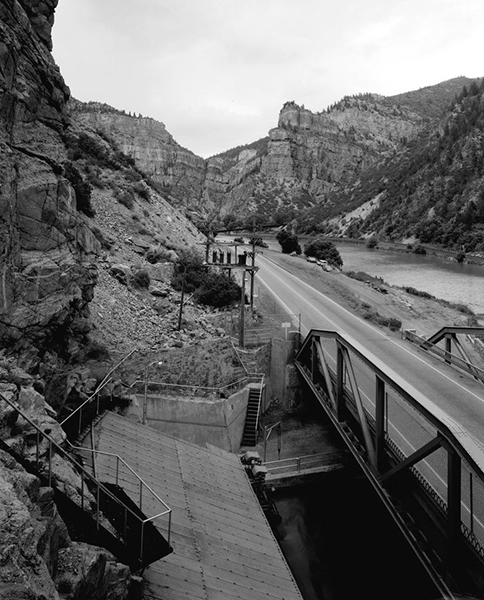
{"x":323,"y":250}
{"x":218,"y":290}
{"x":289,"y":242}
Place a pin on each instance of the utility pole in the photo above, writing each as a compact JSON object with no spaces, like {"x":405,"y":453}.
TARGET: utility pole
{"x":252,"y":273}
{"x":242,"y":311}
{"x":182,"y":298}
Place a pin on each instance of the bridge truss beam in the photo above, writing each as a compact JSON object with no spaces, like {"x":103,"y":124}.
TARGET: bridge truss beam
{"x":402,"y":440}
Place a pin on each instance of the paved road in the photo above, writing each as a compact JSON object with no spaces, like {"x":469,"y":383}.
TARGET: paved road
{"x":460,"y":396}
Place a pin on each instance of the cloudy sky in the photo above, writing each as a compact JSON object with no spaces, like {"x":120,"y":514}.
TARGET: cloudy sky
{"x":217,"y":72}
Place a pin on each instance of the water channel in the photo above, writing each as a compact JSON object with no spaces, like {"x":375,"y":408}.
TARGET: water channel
{"x":341,"y":544}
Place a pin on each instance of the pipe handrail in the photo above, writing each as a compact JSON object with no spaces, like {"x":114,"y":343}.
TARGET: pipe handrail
{"x":259,"y":405}
{"x":84,"y":472}
{"x":106,"y":379}
{"x":247,"y":379}
{"x":300,"y":462}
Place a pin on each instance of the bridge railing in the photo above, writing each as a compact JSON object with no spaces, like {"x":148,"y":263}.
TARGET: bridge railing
{"x":445,"y":355}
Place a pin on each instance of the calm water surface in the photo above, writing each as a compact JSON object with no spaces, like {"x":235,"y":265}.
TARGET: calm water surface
{"x":444,"y":279}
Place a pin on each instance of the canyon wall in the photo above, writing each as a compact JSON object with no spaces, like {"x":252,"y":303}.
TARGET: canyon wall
{"x":47,"y":251}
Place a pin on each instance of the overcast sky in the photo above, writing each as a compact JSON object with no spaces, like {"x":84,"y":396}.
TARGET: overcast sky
{"x":217,"y":72}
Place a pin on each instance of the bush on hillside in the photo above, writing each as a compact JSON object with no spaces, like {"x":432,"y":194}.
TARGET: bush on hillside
{"x":189,"y":268}
{"x":218,"y":290}
{"x":141,"y":279}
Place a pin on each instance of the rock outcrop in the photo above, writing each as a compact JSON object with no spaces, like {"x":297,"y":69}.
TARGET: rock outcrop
{"x":177,"y":172}
{"x":47,"y":250}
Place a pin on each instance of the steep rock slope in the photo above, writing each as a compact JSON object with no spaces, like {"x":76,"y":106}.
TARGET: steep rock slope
{"x":47,"y":251}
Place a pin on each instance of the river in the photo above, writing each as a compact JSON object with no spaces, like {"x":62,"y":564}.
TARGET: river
{"x":456,"y":282}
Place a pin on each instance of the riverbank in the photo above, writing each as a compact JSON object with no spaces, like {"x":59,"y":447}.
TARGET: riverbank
{"x":386,"y":306}
{"x":471,"y":258}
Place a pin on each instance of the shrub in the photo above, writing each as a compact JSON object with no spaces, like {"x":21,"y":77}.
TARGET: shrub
{"x":126,"y":198}
{"x":372,"y":242}
{"x":414,"y":292}
{"x":141,"y":279}
{"x":218,"y":290}
{"x":321,"y":249}
{"x":189,"y":267}
{"x":142,"y":191}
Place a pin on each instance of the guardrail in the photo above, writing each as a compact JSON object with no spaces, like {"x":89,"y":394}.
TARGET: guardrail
{"x":301,"y":463}
{"x":85,"y":476}
{"x":120,"y":472}
{"x":202,"y":391}
{"x":445,"y":355}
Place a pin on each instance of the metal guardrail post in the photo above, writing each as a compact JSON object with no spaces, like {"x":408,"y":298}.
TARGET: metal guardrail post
{"x":98,"y":496}
{"x":50,"y":464}
{"x":37,"y":452}
{"x":142,"y":541}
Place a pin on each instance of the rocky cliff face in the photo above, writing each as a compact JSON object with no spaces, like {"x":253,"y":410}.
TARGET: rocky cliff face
{"x":301,"y":163}
{"x":177,"y":172}
{"x":47,"y":251}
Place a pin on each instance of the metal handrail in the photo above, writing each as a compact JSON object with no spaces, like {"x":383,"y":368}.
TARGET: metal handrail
{"x":259,"y":405}
{"x":299,"y":462}
{"x":107,"y":379}
{"x":52,"y":444}
{"x":239,"y":384}
{"x":141,"y":482}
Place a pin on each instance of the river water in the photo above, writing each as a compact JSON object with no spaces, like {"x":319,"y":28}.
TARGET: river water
{"x":445,"y":279}
{"x":341,"y":544}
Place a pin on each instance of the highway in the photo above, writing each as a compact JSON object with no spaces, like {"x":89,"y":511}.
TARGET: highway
{"x":456,"y":393}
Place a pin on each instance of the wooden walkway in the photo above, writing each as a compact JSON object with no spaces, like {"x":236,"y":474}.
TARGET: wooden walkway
{"x":223,"y":546}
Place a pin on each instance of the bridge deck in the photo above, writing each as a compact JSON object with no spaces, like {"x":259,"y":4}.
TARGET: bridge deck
{"x":223,"y":545}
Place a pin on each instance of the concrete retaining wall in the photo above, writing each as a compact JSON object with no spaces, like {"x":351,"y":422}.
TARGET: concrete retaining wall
{"x":219,"y":422}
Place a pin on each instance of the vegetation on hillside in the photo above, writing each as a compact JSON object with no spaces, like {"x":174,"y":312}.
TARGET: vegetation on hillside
{"x":433,"y":191}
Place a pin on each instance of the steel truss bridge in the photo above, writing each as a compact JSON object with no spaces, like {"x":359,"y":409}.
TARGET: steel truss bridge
{"x":427,"y":470}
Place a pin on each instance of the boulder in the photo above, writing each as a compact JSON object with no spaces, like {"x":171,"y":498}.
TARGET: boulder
{"x":86,"y":571}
